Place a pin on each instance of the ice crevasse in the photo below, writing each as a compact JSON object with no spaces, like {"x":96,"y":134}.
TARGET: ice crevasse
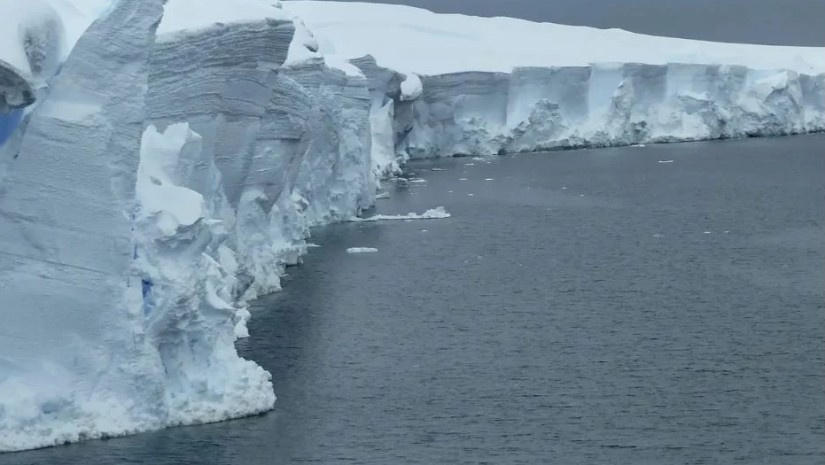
{"x":162,"y":162}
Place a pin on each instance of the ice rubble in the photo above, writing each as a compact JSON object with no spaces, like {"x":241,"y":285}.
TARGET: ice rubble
{"x":436,"y":213}
{"x":157,"y":174}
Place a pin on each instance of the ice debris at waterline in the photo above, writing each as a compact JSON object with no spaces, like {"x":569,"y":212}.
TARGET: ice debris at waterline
{"x":431,"y":214}
{"x":162,"y":162}
{"x":359,"y":250}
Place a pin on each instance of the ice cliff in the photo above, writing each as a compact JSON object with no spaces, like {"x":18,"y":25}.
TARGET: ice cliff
{"x":160,"y":165}
{"x":453,"y":84}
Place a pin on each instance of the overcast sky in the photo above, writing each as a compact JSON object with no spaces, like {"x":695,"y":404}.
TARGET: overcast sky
{"x":781,"y":22}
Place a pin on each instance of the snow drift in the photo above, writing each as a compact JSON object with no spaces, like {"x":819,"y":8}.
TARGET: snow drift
{"x":160,"y":165}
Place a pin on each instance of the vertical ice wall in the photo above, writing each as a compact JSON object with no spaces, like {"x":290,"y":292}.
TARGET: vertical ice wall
{"x":75,"y":361}
{"x":231,"y":99}
{"x":335,"y":177}
{"x":484,"y":113}
{"x":290,"y":143}
{"x":154,"y":187}
{"x":390,"y":115}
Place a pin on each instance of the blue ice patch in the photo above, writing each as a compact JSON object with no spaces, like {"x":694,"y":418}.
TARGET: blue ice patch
{"x":146,"y":289}
{"x":8,"y":123}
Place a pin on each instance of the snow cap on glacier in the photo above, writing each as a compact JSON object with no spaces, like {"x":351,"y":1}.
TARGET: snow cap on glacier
{"x":192,"y":15}
{"x":183,"y":16}
{"x":406,"y":39}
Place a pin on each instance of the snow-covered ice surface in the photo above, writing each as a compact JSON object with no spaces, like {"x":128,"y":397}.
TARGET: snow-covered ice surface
{"x":194,"y":15}
{"x":161,"y":164}
{"x":412,"y":39}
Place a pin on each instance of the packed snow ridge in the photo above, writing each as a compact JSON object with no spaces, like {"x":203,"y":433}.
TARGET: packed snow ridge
{"x":162,"y":162}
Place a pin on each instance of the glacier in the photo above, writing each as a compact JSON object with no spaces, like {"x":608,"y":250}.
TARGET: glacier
{"x":162,"y":162}
{"x":504,"y":85}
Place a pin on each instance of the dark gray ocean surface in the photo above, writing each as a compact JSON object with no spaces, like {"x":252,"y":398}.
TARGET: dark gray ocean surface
{"x":580,"y":307}
{"x":772,"y":22}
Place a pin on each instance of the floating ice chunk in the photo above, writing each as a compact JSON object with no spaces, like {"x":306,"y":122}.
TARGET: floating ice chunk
{"x":437,"y":169}
{"x":431,"y":214}
{"x":639,"y":145}
{"x":489,"y":179}
{"x":707,"y":232}
{"x":310,"y":245}
{"x":470,"y":195}
{"x":665,"y":161}
{"x":382,"y":196}
{"x":469,"y":164}
{"x":418,"y":181}
{"x":353,"y":250}
{"x":462,"y":179}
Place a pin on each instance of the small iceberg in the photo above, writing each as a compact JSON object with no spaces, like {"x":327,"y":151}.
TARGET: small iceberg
{"x":431,"y":214}
{"x":353,"y":250}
